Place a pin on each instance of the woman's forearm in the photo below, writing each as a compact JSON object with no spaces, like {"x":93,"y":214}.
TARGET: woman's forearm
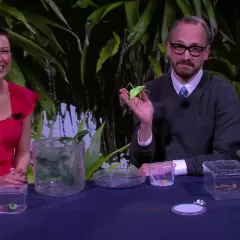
{"x":22,"y":161}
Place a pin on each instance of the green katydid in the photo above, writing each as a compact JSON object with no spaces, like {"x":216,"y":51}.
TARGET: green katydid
{"x":136,"y":90}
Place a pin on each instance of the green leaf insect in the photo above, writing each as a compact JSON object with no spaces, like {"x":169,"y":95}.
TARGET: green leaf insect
{"x":135,"y":91}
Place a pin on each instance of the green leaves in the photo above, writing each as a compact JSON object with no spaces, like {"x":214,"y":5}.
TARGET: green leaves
{"x":109,"y":50}
{"x":140,"y":28}
{"x":93,"y":19}
{"x":211,"y":16}
{"x":93,"y":160}
{"x":35,"y":50}
{"x":132,"y":13}
{"x":15,"y":74}
{"x":84,"y":4}
{"x":92,"y":153}
{"x":41,"y":23}
{"x":55,"y":9}
{"x":184,"y":7}
{"x":11,"y":11}
{"x":168,"y":18}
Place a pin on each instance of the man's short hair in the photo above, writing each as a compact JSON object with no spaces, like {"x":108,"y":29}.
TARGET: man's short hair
{"x":194,"y":20}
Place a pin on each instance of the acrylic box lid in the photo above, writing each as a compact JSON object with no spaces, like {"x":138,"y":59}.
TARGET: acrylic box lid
{"x":223,"y":167}
{"x":5,"y":189}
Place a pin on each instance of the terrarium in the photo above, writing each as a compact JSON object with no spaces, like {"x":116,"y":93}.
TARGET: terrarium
{"x":59,"y":167}
{"x":13,"y":198}
{"x":222,"y":179}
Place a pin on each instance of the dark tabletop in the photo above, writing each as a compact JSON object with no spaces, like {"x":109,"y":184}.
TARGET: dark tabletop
{"x":127,"y":214}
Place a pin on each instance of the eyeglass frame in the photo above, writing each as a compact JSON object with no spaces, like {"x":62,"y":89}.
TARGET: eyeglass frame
{"x":187,"y":48}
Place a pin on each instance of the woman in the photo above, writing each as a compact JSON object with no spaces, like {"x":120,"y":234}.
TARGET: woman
{"x":16,"y":105}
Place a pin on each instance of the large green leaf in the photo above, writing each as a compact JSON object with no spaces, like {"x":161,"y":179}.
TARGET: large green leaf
{"x":156,"y":66}
{"x":140,"y":28}
{"x":211,"y":16}
{"x":39,"y":127}
{"x":224,"y":30}
{"x":101,"y":160}
{"x":110,"y":49}
{"x":45,"y":99}
{"x":45,"y":29}
{"x":92,"y":153}
{"x":84,"y":4}
{"x":93,"y":19}
{"x":184,"y":7}
{"x":30,"y":174}
{"x":198,"y":8}
{"x":132,"y":13}
{"x":15,"y":13}
{"x":83,"y":122}
{"x":40,"y":18}
{"x":168,"y":18}
{"x":35,"y":50}
{"x":55,"y":8}
{"x":15,"y":74}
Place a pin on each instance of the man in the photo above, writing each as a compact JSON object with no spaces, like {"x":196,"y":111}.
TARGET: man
{"x":190,"y":116}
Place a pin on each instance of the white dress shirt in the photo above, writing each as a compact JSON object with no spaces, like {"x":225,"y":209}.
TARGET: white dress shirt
{"x":181,"y":167}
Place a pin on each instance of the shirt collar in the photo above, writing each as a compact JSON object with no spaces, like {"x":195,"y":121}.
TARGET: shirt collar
{"x":190,"y":86}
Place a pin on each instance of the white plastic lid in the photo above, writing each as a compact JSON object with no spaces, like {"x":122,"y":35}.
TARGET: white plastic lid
{"x":188,"y":209}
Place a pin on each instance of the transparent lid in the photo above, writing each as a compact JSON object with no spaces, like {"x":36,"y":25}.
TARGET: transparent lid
{"x":223,"y":167}
{"x":5,"y":189}
{"x":188,"y":209}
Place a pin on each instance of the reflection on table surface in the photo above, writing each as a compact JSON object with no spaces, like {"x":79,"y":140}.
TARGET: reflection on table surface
{"x":135,"y":213}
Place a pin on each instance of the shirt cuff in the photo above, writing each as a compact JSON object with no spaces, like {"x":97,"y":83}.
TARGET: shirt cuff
{"x":144,"y":143}
{"x":181,"y":167}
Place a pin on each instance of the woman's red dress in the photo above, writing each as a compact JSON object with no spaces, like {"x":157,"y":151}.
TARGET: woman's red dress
{"x":23,"y":102}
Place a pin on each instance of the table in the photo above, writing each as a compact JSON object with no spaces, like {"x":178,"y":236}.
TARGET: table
{"x":137,"y":213}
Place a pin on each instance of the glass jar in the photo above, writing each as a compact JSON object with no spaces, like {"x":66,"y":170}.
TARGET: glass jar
{"x":59,"y":168}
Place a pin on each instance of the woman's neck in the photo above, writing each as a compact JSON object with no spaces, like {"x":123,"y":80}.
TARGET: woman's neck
{"x":2,"y":86}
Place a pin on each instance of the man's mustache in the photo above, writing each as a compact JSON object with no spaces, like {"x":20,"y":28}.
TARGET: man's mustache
{"x":186,"y":63}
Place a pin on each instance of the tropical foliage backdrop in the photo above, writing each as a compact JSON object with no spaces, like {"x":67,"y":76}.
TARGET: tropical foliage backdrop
{"x":81,"y":52}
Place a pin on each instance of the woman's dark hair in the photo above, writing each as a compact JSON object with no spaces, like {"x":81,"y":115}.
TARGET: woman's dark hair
{"x":4,"y":32}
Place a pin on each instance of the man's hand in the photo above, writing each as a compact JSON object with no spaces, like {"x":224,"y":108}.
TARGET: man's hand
{"x":15,"y":176}
{"x":145,"y":167}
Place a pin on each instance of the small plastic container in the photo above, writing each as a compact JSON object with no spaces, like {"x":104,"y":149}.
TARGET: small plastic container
{"x":222,"y":179}
{"x":161,"y":174}
{"x":13,"y":199}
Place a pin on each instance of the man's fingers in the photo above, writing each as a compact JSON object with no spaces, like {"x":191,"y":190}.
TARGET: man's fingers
{"x":144,"y":97}
{"x":143,"y":170}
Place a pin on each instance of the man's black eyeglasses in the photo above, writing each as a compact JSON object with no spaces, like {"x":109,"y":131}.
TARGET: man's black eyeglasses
{"x":179,"y":49}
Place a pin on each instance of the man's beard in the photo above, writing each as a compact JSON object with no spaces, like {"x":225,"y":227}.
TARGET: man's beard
{"x":187,"y":74}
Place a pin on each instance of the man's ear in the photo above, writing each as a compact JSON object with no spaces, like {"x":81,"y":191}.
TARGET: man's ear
{"x":207,"y":52}
{"x":168,"y":47}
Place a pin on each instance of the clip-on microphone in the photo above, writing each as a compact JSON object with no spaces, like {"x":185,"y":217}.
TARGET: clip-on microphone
{"x":15,"y":116}
{"x":184,"y":101}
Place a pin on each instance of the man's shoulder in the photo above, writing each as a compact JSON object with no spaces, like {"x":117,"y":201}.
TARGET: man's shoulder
{"x":221,"y":85}
{"x":218,"y":80}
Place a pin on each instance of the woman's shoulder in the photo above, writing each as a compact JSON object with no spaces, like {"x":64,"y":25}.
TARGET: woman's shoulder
{"x":18,"y":89}
{"x":24,"y":99}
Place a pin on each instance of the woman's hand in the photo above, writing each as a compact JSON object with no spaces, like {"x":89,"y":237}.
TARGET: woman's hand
{"x":15,"y":177}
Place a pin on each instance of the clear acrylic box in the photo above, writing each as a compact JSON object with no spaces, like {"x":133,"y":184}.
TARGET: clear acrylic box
{"x":13,"y":199}
{"x":222,"y":179}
